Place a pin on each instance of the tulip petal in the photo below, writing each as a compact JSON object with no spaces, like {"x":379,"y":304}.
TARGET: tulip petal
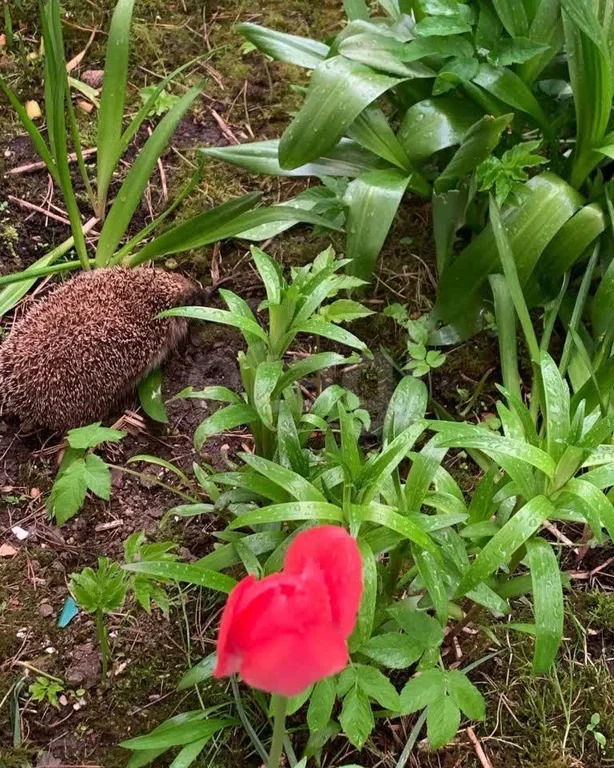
{"x":228,"y":657}
{"x":337,"y":555}
{"x":289,"y":663}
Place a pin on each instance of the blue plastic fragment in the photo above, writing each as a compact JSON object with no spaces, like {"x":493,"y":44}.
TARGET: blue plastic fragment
{"x":69,"y":611}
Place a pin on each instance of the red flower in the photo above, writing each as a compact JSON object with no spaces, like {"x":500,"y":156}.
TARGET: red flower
{"x":290,"y":630}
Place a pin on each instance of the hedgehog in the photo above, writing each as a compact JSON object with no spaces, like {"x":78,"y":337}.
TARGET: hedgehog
{"x":88,"y":343}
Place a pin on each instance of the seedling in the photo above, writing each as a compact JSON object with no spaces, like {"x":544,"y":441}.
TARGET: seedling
{"x":45,"y":689}
{"x":422,"y":360}
{"x":100,"y":591}
{"x":81,"y":471}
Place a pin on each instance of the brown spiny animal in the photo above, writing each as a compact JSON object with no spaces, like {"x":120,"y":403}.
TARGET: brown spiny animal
{"x":88,"y":343}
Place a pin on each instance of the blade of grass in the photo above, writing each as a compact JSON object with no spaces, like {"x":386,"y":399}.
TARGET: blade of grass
{"x":113,"y":98}
{"x":547,"y":602}
{"x":506,"y":329}
{"x":129,"y":196}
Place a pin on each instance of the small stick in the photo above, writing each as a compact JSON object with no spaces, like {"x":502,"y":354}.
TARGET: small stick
{"x":39,"y":166}
{"x":38,"y":209}
{"x":224,"y":127}
{"x":485,"y":762}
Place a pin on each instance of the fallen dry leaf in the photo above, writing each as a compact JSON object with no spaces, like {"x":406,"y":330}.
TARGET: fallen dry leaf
{"x":33,"y":110}
{"x":6,"y":550}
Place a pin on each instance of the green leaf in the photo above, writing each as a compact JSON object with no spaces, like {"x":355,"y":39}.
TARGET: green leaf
{"x":177,"y":735}
{"x":477,"y":145}
{"x":320,"y":327}
{"x":131,"y":192}
{"x":356,"y":717}
{"x":379,"y":467}
{"x":189,"y":753}
{"x":112,"y":100}
{"x":466,"y":696}
{"x":150,"y":396}
{"x":222,"y":394}
{"x":343,"y":311}
{"x":407,"y":405}
{"x":499,"y":550}
{"x":383,"y":53}
{"x":339,"y":91}
{"x":378,"y":513}
{"x":97,"y":476}
{"x":422,"y":691}
{"x":377,"y":686}
{"x":295,"y":510}
{"x":268,"y":271}
{"x":435,"y":124}
{"x":199,"y":672}
{"x":442,"y":721}
{"x":442,"y":26}
{"x":392,"y":650}
{"x":513,"y":16}
{"x":346,"y":159}
{"x":321,"y":704}
{"x":595,"y":500}
{"x":93,"y":435}
{"x":291,"y":482}
{"x":68,"y":492}
{"x":266,"y":379}
{"x":366,"y":614}
{"x":556,"y":394}
{"x":231,"y":417}
{"x":221,"y":316}
{"x":372,"y":201}
{"x":293,"y":49}
{"x":547,"y":602}
{"x":192,"y":573}
{"x":506,"y":86}
{"x":517,"y":51}
{"x":433,"y":576}
{"x":103,"y":589}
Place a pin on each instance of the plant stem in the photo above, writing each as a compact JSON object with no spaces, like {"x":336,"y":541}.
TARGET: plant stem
{"x":103,"y":642}
{"x":280,"y":706}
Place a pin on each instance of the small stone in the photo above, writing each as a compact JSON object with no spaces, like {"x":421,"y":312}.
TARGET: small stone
{"x":45,"y":610}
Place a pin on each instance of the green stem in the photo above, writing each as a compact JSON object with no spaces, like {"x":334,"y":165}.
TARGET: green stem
{"x":103,"y":642}
{"x":280,"y":706}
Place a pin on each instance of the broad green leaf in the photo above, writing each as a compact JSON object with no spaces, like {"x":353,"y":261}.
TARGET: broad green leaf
{"x":339,"y":90}
{"x":442,"y":26}
{"x":177,"y":735}
{"x":199,"y":672}
{"x":407,"y":405}
{"x":432,"y":574}
{"x":68,"y":492}
{"x":356,"y":717}
{"x":320,"y":327}
{"x":547,"y":202}
{"x":344,"y":310}
{"x":498,"y":551}
{"x":437,"y":47}
{"x":372,"y":202}
{"x":291,"y":482}
{"x":293,"y":49}
{"x":265,"y":381}
{"x":477,"y":145}
{"x":295,"y":510}
{"x":112,"y":100}
{"x":442,"y":721}
{"x":268,"y":271}
{"x":377,"y":686}
{"x":93,"y":435}
{"x":372,"y":131}
{"x":506,"y":86}
{"x":221,"y":394}
{"x":321,"y":704}
{"x":556,"y":394}
{"x":150,"y":396}
{"x":393,"y":650}
{"x":595,"y":499}
{"x":312,"y":364}
{"x":422,"y":691}
{"x":436,"y":124}
{"x":192,"y":573}
{"x":379,"y":467}
{"x":346,"y":159}
{"x":547,"y":602}
{"x":419,"y":625}
{"x":458,"y":435}
{"x":466,"y":696}
{"x":257,"y":543}
{"x":366,"y":614}
{"x":383,"y":53}
{"x":231,"y":417}
{"x":377,"y":513}
{"x":221,"y":316}
{"x":513,"y":16}
{"x":189,"y":753}
{"x":97,"y":476}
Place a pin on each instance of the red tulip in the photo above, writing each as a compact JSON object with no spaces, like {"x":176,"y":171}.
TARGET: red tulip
{"x":289,"y":630}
